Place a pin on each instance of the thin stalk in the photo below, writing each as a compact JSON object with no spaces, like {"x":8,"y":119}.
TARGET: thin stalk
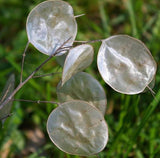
{"x":36,"y":101}
{"x":151,"y":90}
{"x":5,"y":94}
{"x":92,"y":41}
{"x":8,"y":115}
{"x":104,"y":18}
{"x":77,"y":16}
{"x":24,"y":54}
{"x":21,"y":84}
{"x":131,"y":12}
{"x":54,"y":73}
{"x":148,"y":112}
{"x":98,"y":155}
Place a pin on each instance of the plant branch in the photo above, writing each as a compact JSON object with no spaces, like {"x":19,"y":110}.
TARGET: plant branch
{"x":3,"y":98}
{"x":21,"y":84}
{"x":92,"y":41}
{"x":47,"y":74}
{"x":151,"y":90}
{"x":77,"y":16}
{"x":8,"y":115}
{"x":24,"y":54}
{"x":35,"y":101}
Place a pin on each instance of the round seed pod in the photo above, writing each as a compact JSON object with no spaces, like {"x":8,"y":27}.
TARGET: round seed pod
{"x":82,"y":86}
{"x":126,"y":64}
{"x":77,"y":60}
{"x":50,"y":24}
{"x":78,"y":128}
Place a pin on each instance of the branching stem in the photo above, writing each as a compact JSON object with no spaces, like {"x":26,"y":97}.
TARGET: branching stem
{"x":35,"y":101}
{"x":8,"y":115}
{"x":55,"y":52}
{"x":54,"y":73}
{"x":92,"y":41}
{"x":21,"y":84}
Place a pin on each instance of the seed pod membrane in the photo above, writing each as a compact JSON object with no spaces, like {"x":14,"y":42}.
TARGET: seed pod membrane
{"x":77,"y":60}
{"x":78,"y":128}
{"x":126,"y":64}
{"x":50,"y":24}
{"x":83,"y":86}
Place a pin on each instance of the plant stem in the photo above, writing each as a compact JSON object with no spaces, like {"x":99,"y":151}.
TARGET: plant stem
{"x":150,"y":109}
{"x":92,"y":41}
{"x":36,"y":101}
{"x":77,"y":16}
{"x":24,"y":54}
{"x":21,"y":84}
{"x":8,"y":115}
{"x":4,"y":96}
{"x":47,"y":74}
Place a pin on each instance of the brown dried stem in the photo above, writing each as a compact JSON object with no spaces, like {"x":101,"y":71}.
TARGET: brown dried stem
{"x":77,"y":16}
{"x":24,"y":54}
{"x":21,"y":84}
{"x":8,"y":115}
{"x":92,"y":41}
{"x":36,"y":101}
{"x":54,"y":73}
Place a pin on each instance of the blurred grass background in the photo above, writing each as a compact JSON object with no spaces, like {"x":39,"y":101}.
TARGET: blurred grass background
{"x":134,"y":121}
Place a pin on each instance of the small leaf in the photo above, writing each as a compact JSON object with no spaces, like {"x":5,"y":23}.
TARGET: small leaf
{"x":77,"y":60}
{"x":8,"y":89}
{"x":50,"y":24}
{"x":78,"y":128}
{"x":83,"y":86}
{"x":126,"y":64}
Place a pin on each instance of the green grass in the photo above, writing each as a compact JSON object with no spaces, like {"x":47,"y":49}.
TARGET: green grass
{"x":133,"y":121}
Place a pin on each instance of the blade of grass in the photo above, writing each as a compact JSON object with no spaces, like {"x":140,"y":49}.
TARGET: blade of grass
{"x":125,"y":122}
{"x":5,"y":72}
{"x":152,"y":142}
{"x":129,"y":5}
{"x":104,"y":18}
{"x":148,"y":112}
{"x":149,"y":24}
{"x":18,"y":68}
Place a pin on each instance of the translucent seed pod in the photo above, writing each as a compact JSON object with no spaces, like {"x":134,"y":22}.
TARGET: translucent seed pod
{"x":78,"y":128}
{"x":77,"y":60}
{"x":83,"y":86}
{"x":126,"y":64}
{"x":50,"y":24}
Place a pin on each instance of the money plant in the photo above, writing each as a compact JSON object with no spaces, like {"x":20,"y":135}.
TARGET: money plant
{"x":77,"y":126}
